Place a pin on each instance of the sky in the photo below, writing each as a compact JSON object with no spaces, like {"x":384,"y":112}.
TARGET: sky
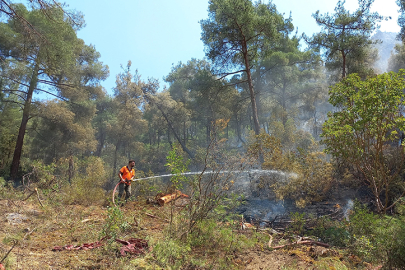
{"x":157,"y":34}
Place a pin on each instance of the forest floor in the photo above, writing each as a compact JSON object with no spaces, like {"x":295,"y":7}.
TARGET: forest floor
{"x":37,"y":230}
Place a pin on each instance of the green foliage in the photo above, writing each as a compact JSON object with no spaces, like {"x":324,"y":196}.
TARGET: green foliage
{"x":177,"y":167}
{"x":171,"y":253}
{"x":345,"y":38}
{"x":375,"y":238}
{"x":37,"y":172}
{"x":312,"y":181}
{"x":362,"y":221}
{"x":7,"y":190}
{"x":87,"y":185}
{"x":310,"y":175}
{"x":49,"y":62}
{"x":114,"y":223}
{"x":401,"y":19}
{"x":211,"y":237}
{"x":62,"y":130}
{"x":259,"y":23}
{"x":362,"y":131}
{"x":237,"y":33}
{"x":297,"y":223}
{"x":397,"y":59}
{"x":200,"y":98}
{"x":331,"y":231}
{"x":338,"y":236}
{"x":9,"y":118}
{"x":210,"y":192}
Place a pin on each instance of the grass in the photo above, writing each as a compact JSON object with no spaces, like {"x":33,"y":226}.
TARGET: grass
{"x":214,"y":245}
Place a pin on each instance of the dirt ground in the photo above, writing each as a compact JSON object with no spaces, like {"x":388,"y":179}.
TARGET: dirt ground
{"x":35,"y":231}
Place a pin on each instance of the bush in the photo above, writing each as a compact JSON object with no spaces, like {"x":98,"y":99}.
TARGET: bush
{"x":114,"y":223}
{"x":311,"y":174}
{"x":171,"y":253}
{"x":87,"y":184}
{"x":379,"y":237}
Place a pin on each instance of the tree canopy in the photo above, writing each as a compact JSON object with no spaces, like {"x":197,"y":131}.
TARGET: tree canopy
{"x":344,"y":39}
{"x":237,"y":33}
{"x":60,"y":65}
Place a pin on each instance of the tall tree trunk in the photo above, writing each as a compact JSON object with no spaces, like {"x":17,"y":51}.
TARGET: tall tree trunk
{"x":207,"y":133}
{"x":251,"y":90}
{"x":284,"y":105}
{"x":158,"y":138}
{"x":101,"y":141}
{"x":168,"y":135}
{"x":238,"y":129}
{"x":183,"y":146}
{"x":23,"y":126}
{"x":343,"y":65}
{"x":71,"y":170}
{"x":184,"y":132}
{"x":114,"y":172}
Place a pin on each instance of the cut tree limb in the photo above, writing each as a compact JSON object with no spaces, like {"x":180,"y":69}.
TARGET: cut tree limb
{"x":299,"y":242}
{"x":152,"y":216}
{"x":36,"y":190}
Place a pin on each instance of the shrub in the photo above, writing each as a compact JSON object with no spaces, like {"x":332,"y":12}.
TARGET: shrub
{"x":172,"y":253}
{"x":87,"y":184}
{"x":114,"y":223}
{"x":379,"y":237}
{"x":312,"y":174}
{"x":364,"y":129}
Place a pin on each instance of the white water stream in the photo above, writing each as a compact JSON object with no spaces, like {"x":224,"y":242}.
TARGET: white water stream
{"x":250,"y":172}
{"x":258,"y":205}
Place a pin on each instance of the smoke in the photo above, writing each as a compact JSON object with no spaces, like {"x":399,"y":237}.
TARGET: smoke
{"x":276,"y":209}
{"x":348,"y":208}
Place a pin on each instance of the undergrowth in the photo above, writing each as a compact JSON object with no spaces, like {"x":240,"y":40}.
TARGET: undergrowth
{"x":201,"y":235}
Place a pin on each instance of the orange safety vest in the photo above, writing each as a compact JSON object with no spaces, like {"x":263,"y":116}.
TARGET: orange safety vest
{"x":127,"y":174}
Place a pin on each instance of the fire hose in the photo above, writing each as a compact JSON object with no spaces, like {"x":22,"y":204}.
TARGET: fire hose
{"x":165,"y":199}
{"x":115,"y":189}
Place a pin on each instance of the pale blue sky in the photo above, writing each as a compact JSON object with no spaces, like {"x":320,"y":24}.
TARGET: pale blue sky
{"x":156,"y":34}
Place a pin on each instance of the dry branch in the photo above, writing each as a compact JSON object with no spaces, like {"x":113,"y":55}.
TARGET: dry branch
{"x":270,"y":240}
{"x":152,"y":216}
{"x":299,"y":242}
{"x":36,"y":190}
{"x":28,"y":233}
{"x":5,"y":256}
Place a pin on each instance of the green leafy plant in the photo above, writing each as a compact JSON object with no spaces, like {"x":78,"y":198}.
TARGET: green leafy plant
{"x":378,"y":238}
{"x":177,"y":166}
{"x":87,"y":184}
{"x":113,"y":223}
{"x":171,"y":253}
{"x":297,"y":223}
{"x":310,"y":173}
{"x":364,"y":128}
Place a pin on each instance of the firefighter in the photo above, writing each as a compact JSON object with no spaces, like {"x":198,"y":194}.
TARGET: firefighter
{"x":126,"y":174}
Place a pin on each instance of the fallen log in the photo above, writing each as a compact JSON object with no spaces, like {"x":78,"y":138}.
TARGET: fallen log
{"x":305,"y":242}
{"x":245,"y":225}
{"x":170,"y":197}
